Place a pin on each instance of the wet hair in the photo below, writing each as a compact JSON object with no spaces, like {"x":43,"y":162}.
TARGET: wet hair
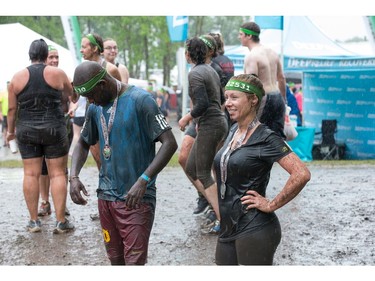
{"x":99,"y":41}
{"x":253,"y":27}
{"x":219,"y":42}
{"x":197,"y":50}
{"x":254,"y":81}
{"x":213,"y":43}
{"x":38,"y":50}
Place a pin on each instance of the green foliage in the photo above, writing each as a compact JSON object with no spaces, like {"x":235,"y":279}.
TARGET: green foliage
{"x":48,"y":26}
{"x":228,"y":27}
{"x":143,"y":41}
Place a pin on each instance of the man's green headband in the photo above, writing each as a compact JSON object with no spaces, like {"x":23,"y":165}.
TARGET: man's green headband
{"x":249,"y":32}
{"x":237,"y":85}
{"x":51,"y":48}
{"x":93,"y":41}
{"x":207,"y":42}
{"x":89,"y":85}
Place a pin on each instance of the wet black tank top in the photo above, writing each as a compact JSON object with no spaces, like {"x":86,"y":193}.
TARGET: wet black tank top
{"x":39,"y":105}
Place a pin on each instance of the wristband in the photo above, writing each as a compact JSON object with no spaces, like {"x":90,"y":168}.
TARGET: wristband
{"x":145,"y":177}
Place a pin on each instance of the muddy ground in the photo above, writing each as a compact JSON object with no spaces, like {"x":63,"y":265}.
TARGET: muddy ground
{"x":331,"y":222}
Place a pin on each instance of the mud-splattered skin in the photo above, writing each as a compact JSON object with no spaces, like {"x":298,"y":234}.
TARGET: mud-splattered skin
{"x":299,"y":176}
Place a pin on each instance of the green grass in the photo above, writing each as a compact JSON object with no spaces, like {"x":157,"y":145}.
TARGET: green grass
{"x":174,"y":162}
{"x":89,"y":163}
{"x":341,"y":162}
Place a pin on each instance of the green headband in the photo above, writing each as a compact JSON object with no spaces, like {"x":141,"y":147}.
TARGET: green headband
{"x":248,"y":31}
{"x":207,"y":42}
{"x":51,"y":48}
{"x":93,"y":41}
{"x":89,"y":85}
{"x":237,"y":85}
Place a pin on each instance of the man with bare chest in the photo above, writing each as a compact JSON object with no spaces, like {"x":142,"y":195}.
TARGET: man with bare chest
{"x":265,"y":63}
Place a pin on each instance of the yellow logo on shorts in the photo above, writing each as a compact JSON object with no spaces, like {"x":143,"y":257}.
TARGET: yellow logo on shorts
{"x":106,"y":236}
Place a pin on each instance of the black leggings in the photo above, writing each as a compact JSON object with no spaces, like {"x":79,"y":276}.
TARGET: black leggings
{"x":256,"y":248}
{"x":272,"y":113}
{"x":199,"y":163}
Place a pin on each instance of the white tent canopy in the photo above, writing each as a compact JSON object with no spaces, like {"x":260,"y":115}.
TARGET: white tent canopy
{"x":14,"y":55}
{"x":300,"y":41}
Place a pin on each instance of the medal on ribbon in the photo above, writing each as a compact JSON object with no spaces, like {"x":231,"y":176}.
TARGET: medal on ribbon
{"x":223,"y":188}
{"x":107,"y":152}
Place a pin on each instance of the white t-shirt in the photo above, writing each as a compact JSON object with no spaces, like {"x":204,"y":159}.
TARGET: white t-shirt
{"x":81,"y":109}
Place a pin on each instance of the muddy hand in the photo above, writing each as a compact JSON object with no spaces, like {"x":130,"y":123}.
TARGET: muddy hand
{"x":254,"y":200}
{"x":76,"y":187}
{"x":135,"y":194}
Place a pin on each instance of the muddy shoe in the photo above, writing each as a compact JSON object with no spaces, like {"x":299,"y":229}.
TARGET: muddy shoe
{"x":44,"y":209}
{"x":209,"y":220}
{"x":63,"y":227}
{"x":34,"y":226}
{"x":94,"y":217}
{"x":202,"y":204}
{"x":214,"y":229}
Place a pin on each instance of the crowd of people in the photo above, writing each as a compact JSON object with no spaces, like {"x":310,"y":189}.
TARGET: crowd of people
{"x":233,"y":136}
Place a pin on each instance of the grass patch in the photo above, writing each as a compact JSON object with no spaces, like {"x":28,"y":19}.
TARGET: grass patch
{"x":11,"y":164}
{"x":90,"y":162}
{"x":341,"y":162}
{"x":18,"y":163}
{"x":174,"y":162}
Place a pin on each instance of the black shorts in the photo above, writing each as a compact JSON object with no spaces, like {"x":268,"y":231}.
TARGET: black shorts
{"x":272,"y":113}
{"x":79,"y":121}
{"x":49,"y":142}
{"x":191,"y":130}
{"x":4,"y":123}
{"x":45,"y":169}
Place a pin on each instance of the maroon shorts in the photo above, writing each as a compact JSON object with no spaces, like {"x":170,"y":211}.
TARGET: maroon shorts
{"x":126,"y":232}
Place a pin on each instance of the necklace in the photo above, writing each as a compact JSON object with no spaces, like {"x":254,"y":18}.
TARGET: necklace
{"x":107,"y":151}
{"x":241,"y":138}
{"x":228,"y":151}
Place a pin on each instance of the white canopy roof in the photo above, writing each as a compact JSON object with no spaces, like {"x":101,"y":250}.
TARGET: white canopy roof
{"x":14,"y":51}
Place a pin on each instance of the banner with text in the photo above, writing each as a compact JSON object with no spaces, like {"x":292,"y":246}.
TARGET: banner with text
{"x":348,"y":97}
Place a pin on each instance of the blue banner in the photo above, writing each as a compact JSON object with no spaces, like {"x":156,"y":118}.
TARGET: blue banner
{"x":318,"y":64}
{"x":178,"y":28}
{"x":270,"y":22}
{"x":348,"y":97}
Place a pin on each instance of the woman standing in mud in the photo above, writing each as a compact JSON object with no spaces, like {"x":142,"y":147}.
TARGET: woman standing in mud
{"x":206,"y":94}
{"x":250,"y":230}
{"x":36,"y":116}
